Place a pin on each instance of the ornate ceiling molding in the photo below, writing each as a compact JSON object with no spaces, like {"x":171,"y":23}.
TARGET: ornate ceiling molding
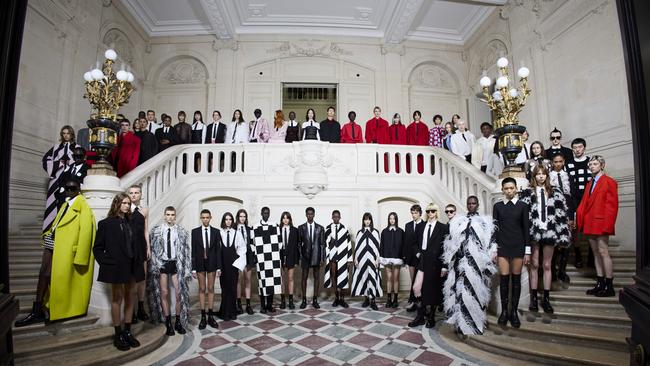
{"x":309,"y":48}
{"x":218,"y":17}
{"x":402,"y":20}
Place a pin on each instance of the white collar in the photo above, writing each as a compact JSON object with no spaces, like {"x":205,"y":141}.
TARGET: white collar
{"x":583,"y":158}
{"x":514,"y":200}
{"x":71,"y":200}
{"x":262,"y":222}
{"x":418,"y":221}
{"x":134,"y":206}
{"x":432,"y":223}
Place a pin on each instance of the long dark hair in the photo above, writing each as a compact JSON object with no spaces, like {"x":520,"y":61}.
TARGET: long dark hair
{"x":241,"y":116}
{"x":240,"y":211}
{"x":388,"y":221}
{"x":307,"y":114}
{"x":541,"y":154}
{"x":223,"y":220}
{"x":287,"y":215}
{"x":200,"y":116}
{"x":367,"y":215}
{"x":547,"y":183}
{"x":71,"y":131}
{"x":116,"y":205}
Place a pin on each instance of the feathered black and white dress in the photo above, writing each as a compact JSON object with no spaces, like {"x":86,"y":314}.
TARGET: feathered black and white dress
{"x":366,"y":280}
{"x":337,"y":239}
{"x":468,"y":252}
{"x":552,"y":226}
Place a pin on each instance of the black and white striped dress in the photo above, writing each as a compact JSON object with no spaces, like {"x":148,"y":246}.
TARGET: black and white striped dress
{"x":367,"y":277}
{"x":52,"y":165}
{"x":337,"y":239}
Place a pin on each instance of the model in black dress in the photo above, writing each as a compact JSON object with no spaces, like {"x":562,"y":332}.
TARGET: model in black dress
{"x":115,"y":252}
{"x":290,"y":257}
{"x":391,"y":256}
{"x":513,"y":240}
{"x":140,"y":230}
{"x":412,"y":238}
{"x":233,"y":259}
{"x":293,"y":129}
{"x":245,"y":231}
{"x":206,"y":264}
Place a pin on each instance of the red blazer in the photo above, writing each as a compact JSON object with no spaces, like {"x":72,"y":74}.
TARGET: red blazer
{"x":417,"y":133}
{"x":397,"y":134}
{"x":596,"y":214}
{"x":377,"y":131}
{"x":346,"y":134}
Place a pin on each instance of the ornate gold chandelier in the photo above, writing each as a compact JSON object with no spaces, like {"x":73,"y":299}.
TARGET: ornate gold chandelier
{"x":506,"y":102}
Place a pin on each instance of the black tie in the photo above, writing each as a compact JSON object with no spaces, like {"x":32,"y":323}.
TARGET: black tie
{"x":136,"y":209}
{"x":336,"y":233}
{"x":207,"y":242}
{"x":214,"y":130}
{"x":169,"y":243}
{"x":396,"y":132}
{"x":254,"y":129}
{"x":429,"y":232}
{"x":559,"y":181}
{"x":526,"y":151}
{"x":234,"y":133}
{"x":543,"y":205}
{"x":464,"y":138}
{"x":286,"y":236}
{"x":228,"y":238}
{"x":311,"y":237}
{"x":243,"y":233}
{"x":352,"y":125}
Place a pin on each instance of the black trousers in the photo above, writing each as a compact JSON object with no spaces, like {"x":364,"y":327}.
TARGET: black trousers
{"x":228,"y":281}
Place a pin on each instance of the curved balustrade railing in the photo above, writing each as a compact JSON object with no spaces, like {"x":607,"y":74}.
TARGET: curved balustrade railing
{"x":183,"y":169}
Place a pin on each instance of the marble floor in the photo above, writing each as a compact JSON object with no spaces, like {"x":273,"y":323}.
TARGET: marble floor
{"x":326,"y":336}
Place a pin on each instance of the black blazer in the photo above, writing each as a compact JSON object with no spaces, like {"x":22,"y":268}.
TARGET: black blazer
{"x":291,"y":252}
{"x":330,"y":131}
{"x":172,"y":136}
{"x":307,"y":247}
{"x":221,"y":133}
{"x":431,"y":265}
{"x":412,"y":240}
{"x":564,"y":151}
{"x":391,"y":244}
{"x":214,"y":249}
{"x":115,"y":265}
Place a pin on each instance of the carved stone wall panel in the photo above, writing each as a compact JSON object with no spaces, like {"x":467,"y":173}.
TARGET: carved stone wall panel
{"x":434,"y":77}
{"x":184,"y":71}
{"x":121,"y":44}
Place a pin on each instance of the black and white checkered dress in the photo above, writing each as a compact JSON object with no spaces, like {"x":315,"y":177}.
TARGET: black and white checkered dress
{"x":267,"y":242}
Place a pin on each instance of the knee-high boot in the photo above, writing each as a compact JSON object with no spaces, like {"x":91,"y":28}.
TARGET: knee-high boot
{"x":516,"y":292}
{"x":504,"y":289}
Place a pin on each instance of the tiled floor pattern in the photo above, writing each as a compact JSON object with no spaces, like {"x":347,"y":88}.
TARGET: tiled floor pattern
{"x":327,"y":336}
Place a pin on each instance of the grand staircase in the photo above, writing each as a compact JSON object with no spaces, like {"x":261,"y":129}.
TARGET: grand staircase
{"x":584,"y":330}
{"x":79,"y":341}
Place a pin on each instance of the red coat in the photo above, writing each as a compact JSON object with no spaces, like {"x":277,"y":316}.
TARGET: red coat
{"x":397,"y":134}
{"x":596,"y":214}
{"x":346,"y":134}
{"x":127,"y":153}
{"x":417,"y":133}
{"x":377,"y":131}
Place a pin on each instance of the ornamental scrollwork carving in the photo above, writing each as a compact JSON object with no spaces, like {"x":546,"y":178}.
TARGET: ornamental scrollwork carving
{"x":431,"y":76}
{"x":184,"y":71}
{"x":116,"y":39}
{"x":309,"y":48}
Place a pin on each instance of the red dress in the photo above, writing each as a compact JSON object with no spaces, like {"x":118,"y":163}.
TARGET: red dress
{"x":417,"y":133}
{"x":596,"y":214}
{"x":377,"y":131}
{"x":126,"y":153}
{"x":351,"y":133}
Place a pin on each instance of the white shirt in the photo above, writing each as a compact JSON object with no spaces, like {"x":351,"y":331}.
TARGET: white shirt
{"x":425,"y":237}
{"x":165,"y":129}
{"x":153,"y":126}
{"x":484,"y":147}
{"x":174,"y":237}
{"x":237,"y":133}
{"x":563,"y":177}
{"x":524,"y":154}
{"x":205,"y":229}
{"x":462,"y":146}
{"x":293,"y":123}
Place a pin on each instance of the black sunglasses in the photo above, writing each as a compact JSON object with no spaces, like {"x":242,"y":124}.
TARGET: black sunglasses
{"x":450,"y":211}
{"x":431,"y":211}
{"x":556,"y":137}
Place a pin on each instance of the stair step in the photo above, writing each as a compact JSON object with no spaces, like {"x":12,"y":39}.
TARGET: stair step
{"x":90,"y":347}
{"x":577,"y":334}
{"x":578,"y":282}
{"x":25,"y":260}
{"x":581,"y":296}
{"x":26,"y":253}
{"x":34,"y":267}
{"x":580,"y":314}
{"x":560,"y":354}
{"x":22,"y":273}
{"x":40,"y":329}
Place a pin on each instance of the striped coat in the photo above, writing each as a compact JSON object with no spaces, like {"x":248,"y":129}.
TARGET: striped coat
{"x":367,"y":277}
{"x":338,"y":248}
{"x":54,"y":164}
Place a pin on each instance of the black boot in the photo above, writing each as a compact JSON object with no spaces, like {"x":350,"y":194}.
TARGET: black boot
{"x":411,"y":308}
{"x":240,"y":310}
{"x":395,"y":302}
{"x":283,"y":304}
{"x":516,"y":292}
{"x":119,"y":341}
{"x":561,"y":268}
{"x":600,"y":285}
{"x":168,"y":324}
{"x":336,"y":300}
{"x":211,"y":320}
{"x":249,"y":309}
{"x":342,"y":301}
{"x":314,"y":303}
{"x":578,"y":256}
{"x":203,"y":323}
{"x":303,"y":304}
{"x":263,"y":308}
{"x":554,"y":265}
{"x":533,"y":301}
{"x":291,"y":304}
{"x":373,"y":305}
{"x":269,"y":304}
{"x":546,"y":303}
{"x":142,"y":315}
{"x":134,"y":317}
{"x":36,"y":316}
{"x":608,"y":290}
{"x":366,"y":302}
{"x":128,"y":336}
{"x":431,"y":318}
{"x":389,"y":302}
{"x":178,"y":326}
{"x":503,"y":291}
{"x":419,"y":315}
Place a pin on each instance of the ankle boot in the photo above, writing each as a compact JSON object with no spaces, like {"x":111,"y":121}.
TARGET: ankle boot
{"x":249,"y":309}
{"x":119,"y":341}
{"x":336,"y":303}
{"x":503,"y":291}
{"x":516,"y":292}
{"x":168,"y":324}
{"x":240,"y":310}
{"x":142,"y":315}
{"x":561,"y":269}
{"x":178,"y":326}
{"x":608,"y":289}
{"x":395,"y":302}
{"x":389,"y":301}
{"x":314,"y":303}
{"x":600,"y":284}
{"x":128,"y":336}
{"x":291,"y":304}
{"x":36,"y":316}
{"x":431,"y":318}
{"x":546,"y":303}
{"x":533,"y":301}
{"x":134,"y":317}
{"x":211,"y":320}
{"x":419,"y":315}
{"x":203,"y":322}
{"x":342,"y":301}
{"x":373,"y":304}
{"x":303,"y":304}
{"x":269,"y":304}
{"x":263,"y":308}
{"x":366,"y":302}
{"x":283,"y":305}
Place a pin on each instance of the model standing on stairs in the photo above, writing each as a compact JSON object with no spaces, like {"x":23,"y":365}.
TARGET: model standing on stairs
{"x":513,"y":240}
{"x":245,"y":231}
{"x":140,"y":227}
{"x":549,"y":228}
{"x":119,"y":264}
{"x":596,"y":218}
{"x":366,"y":280}
{"x":206,"y":265}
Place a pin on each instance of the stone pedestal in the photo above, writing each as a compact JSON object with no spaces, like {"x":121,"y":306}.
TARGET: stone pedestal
{"x":99,"y":191}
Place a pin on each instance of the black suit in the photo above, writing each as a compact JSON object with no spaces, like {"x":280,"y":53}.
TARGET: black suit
{"x":564,"y":151}
{"x":512,"y":222}
{"x":412,"y":241}
{"x":116,"y":253}
{"x":291,"y":253}
{"x":431,"y":265}
{"x":171,"y":136}
{"x":211,"y":260}
{"x":220,"y":136}
{"x":330,"y":131}
{"x":312,"y":253}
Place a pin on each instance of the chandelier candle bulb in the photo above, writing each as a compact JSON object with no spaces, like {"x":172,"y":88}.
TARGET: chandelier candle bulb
{"x":502,"y":82}
{"x":97,"y":74}
{"x":485,"y":82}
{"x":502,"y":62}
{"x":88,"y":76}
{"x":513,"y":93}
{"x":523,"y":72}
{"x":110,"y":54}
{"x":497,"y":96}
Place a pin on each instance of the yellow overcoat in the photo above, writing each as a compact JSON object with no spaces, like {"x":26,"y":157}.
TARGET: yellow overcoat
{"x":72,"y":261}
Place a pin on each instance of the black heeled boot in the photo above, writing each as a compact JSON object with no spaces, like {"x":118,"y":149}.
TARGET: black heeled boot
{"x":389,"y":302}
{"x":142,"y":315}
{"x":366,"y":302}
{"x":608,"y":289}
{"x":203,"y":323}
{"x":291,"y":304}
{"x":240,"y":310}
{"x":561,"y":268}
{"x":546,"y":303}
{"x":419,"y":315}
{"x":263,"y":308}
{"x":211,"y":320}
{"x":533,"y":301}
{"x":168,"y":324}
{"x":178,"y":327}
{"x":249,"y":309}
{"x":516,"y":292}
{"x":342,"y":301}
{"x":503,"y":291}
{"x":314,"y":303}
{"x":36,"y":316}
{"x":283,"y":304}
{"x":336,"y":303}
{"x":269,"y":304}
{"x":431,"y":318}
{"x":600,"y":284}
{"x":373,"y":304}
{"x":128,"y":336}
{"x":119,"y":341}
{"x":303,"y":304}
{"x":395,"y":302}
{"x":134,"y":317}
